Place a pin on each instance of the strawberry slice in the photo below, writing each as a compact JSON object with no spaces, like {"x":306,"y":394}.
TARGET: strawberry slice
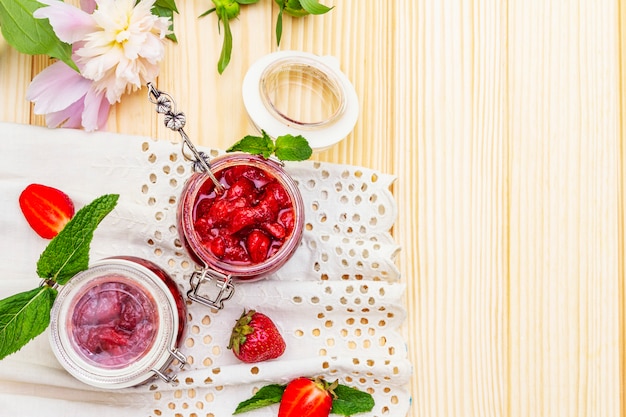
{"x":304,"y":397}
{"x":46,"y":209}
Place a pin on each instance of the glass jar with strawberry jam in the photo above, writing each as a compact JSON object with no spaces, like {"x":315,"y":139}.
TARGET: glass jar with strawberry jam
{"x":243,"y":223}
{"x":240,"y":216}
{"x":119,"y":324}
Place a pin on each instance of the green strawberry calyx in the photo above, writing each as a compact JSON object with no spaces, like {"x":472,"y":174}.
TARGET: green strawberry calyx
{"x":241,"y":330}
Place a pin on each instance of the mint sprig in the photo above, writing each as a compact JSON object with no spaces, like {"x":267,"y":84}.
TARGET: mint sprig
{"x":286,"y":147}
{"x":25,"y":315}
{"x":348,"y":400}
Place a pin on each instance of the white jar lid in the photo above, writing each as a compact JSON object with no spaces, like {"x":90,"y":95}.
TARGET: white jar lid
{"x":298,"y":93}
{"x":145,"y":285}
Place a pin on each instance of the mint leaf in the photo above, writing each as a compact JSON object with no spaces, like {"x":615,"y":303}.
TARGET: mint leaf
{"x":314,"y":7}
{"x":68,"y":253}
{"x":351,"y":401}
{"x":24,"y":316}
{"x":292,"y":148}
{"x":29,"y":35}
{"x":256,"y":145}
{"x":286,"y":147}
{"x":268,"y":395}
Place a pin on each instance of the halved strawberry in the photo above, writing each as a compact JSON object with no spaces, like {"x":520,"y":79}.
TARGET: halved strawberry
{"x":46,"y":209}
{"x":255,"y":338}
{"x":304,"y":397}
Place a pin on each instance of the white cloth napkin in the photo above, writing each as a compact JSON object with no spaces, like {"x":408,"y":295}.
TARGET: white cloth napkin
{"x":338,"y":302}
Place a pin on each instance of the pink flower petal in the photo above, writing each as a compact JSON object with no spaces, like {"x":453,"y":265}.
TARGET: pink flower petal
{"x":70,"y":23}
{"x":88,"y":5}
{"x":96,"y":111}
{"x":56,"y":87}
{"x":69,"y":117}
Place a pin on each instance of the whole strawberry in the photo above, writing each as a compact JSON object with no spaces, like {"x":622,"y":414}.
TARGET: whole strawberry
{"x":255,"y":338}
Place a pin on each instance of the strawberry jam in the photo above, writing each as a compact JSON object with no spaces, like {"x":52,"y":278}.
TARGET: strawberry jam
{"x":114,"y":322}
{"x":251,"y":226}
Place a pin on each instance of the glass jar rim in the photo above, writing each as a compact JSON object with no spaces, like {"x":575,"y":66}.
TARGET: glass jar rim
{"x":314,"y":68}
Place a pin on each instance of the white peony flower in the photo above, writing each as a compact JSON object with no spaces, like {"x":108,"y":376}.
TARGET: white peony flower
{"x":118,"y":46}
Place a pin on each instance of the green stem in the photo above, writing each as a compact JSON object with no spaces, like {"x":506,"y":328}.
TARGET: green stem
{"x":227,"y":46}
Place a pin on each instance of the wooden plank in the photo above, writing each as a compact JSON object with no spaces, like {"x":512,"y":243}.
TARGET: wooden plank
{"x":15,"y":75}
{"x":563,"y":242}
{"x":452,"y":151}
{"x":621,"y":202}
{"x":502,"y":206}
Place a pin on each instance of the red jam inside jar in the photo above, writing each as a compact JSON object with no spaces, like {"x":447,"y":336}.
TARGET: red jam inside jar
{"x":114,"y":322}
{"x":252,"y":226}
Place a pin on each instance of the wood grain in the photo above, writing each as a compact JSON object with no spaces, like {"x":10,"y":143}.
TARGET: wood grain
{"x":503,"y":122}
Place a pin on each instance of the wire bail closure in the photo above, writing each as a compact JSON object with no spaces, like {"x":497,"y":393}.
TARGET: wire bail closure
{"x":175,"y":121}
{"x":162,"y":373}
{"x":223,"y":284}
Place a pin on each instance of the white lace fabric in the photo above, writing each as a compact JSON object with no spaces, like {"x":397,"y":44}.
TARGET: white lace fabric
{"x":338,"y":301}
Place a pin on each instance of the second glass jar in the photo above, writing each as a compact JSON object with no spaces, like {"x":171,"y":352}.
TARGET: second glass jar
{"x":248,"y":229}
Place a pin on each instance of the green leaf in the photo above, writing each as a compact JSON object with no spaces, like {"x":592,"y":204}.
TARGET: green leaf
{"x":167,"y":4}
{"x":227,"y":46}
{"x":256,"y":145}
{"x":207,"y":12}
{"x":30,"y":35}
{"x":268,"y":395}
{"x":247,"y":1}
{"x":292,"y":148}
{"x":314,"y":7}
{"x":162,"y":11}
{"x":68,"y":253}
{"x":24,"y":316}
{"x":351,"y":401}
{"x":293,"y":8}
{"x":279,"y":27}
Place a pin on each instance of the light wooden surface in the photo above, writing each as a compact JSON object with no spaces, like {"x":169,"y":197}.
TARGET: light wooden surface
{"x":502,"y":121}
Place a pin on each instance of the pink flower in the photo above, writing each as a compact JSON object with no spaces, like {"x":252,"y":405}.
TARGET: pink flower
{"x":68,"y":99}
{"x":117,"y":45}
